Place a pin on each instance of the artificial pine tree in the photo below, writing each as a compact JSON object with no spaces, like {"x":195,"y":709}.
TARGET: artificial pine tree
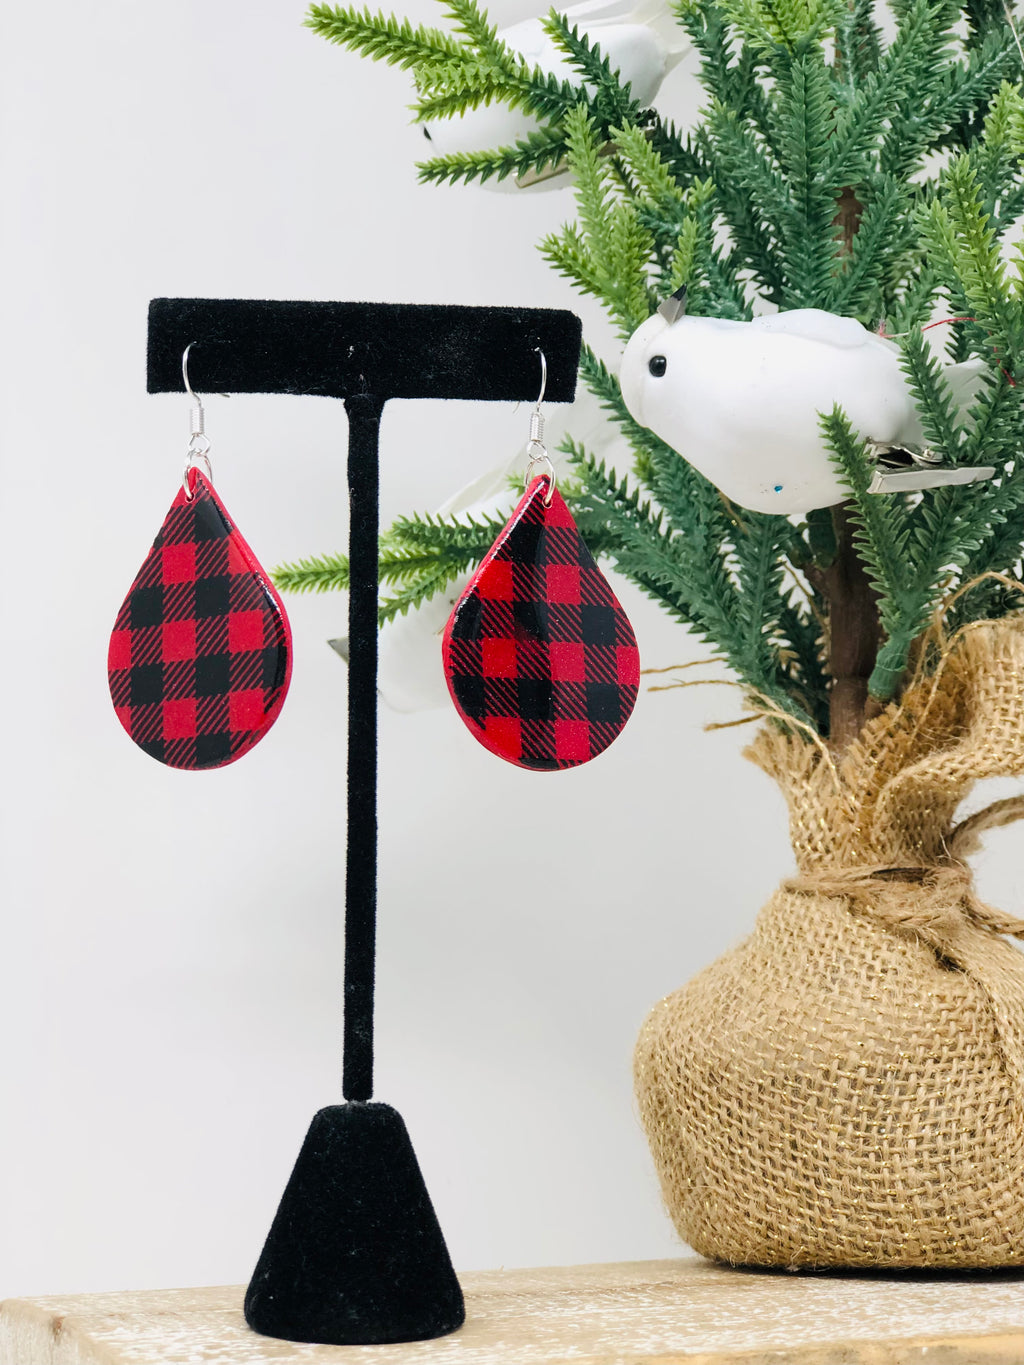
{"x":846,"y":1086}
{"x":831,"y":169}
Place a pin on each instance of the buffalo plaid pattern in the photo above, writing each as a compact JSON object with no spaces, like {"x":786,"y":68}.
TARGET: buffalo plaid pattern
{"x":200,"y":655}
{"x":540,"y":658}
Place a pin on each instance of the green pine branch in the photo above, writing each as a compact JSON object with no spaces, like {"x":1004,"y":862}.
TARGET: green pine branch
{"x":883,"y":237}
{"x":385,"y":37}
{"x":805,"y":119}
{"x":611,"y":102}
{"x":960,"y":233}
{"x":481,"y":34}
{"x":881,"y":536}
{"x":956,"y":113}
{"x":317,"y":573}
{"x":419,"y":555}
{"x":862,"y":118}
{"x":532,"y":154}
{"x":934,"y":401}
{"x":693,"y":589}
{"x":858,"y":40}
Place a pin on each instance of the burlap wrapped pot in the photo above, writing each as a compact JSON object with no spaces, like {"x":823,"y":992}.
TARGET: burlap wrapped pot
{"x":846,"y":1087}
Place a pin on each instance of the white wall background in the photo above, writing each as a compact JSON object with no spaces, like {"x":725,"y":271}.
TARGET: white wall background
{"x":171,"y":943}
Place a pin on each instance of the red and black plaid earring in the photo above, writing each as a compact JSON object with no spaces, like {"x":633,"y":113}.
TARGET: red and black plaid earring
{"x":541,"y":661}
{"x":201,"y":653}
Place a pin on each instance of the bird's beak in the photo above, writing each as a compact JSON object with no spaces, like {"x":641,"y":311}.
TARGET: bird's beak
{"x":674,"y":306}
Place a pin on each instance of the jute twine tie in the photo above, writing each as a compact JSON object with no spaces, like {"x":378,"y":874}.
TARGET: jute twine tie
{"x":893,"y":894}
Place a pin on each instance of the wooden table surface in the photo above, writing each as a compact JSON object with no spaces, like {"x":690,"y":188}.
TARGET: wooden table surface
{"x":655,"y":1312}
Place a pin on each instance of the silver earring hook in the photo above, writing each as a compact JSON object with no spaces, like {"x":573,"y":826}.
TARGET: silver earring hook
{"x":198,"y":453}
{"x":184,"y":375}
{"x":536,"y":450}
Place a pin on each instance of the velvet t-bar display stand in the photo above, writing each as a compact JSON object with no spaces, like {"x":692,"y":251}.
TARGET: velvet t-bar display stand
{"x":355,"y":1253}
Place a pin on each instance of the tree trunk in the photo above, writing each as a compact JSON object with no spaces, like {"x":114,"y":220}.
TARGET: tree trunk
{"x":854,"y":634}
{"x":854,"y":627}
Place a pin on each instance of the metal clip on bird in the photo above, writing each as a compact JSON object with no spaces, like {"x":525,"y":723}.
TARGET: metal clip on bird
{"x":908,"y":468}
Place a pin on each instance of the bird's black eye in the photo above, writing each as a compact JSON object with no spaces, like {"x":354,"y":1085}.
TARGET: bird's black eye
{"x":657,"y":365}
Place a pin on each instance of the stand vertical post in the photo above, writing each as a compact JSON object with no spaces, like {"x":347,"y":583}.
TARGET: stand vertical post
{"x":364,"y":413}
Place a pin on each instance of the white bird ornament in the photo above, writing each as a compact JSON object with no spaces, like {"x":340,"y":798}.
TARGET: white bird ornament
{"x":742,"y":402}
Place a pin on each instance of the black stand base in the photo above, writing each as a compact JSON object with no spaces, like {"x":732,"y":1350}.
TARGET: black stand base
{"x":355,"y":1255}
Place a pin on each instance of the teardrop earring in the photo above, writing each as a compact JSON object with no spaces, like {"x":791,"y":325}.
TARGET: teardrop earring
{"x":200,"y":655}
{"x":541,"y":661}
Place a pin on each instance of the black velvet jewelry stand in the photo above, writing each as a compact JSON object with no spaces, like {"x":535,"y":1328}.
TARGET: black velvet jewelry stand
{"x":355,"y":1254}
